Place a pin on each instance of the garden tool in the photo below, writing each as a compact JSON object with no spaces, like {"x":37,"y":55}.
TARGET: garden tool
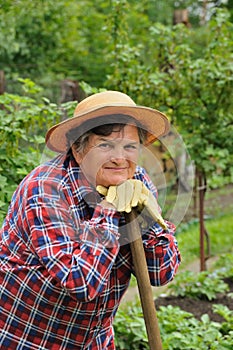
{"x":125,"y":197}
{"x":143,"y":281}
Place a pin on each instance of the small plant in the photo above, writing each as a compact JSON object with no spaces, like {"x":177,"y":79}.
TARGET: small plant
{"x":224,"y":266}
{"x":179,"y":330}
{"x":227,"y":314}
{"x":130,"y":330}
{"x":200,"y":286}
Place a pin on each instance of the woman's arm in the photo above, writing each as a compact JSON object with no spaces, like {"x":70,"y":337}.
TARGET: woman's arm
{"x":161,"y":249}
{"x":79,"y":255}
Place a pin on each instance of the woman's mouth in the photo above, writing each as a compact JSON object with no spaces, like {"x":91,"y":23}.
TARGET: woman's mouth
{"x":116,"y":169}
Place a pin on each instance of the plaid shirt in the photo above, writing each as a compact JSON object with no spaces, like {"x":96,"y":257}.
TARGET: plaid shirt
{"x":63,"y":267}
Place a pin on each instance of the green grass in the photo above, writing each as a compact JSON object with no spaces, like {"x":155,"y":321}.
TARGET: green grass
{"x":220,"y":231}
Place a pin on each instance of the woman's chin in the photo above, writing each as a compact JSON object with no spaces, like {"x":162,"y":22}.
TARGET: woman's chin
{"x":114,"y":181}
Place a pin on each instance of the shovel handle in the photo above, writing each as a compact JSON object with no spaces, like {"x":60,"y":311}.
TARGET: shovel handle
{"x":143,"y":281}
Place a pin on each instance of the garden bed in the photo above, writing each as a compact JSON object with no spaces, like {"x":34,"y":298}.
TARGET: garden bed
{"x":195,"y":313}
{"x":199,"y":307}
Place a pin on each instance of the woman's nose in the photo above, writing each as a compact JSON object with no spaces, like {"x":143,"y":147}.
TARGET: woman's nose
{"x":118,"y":154}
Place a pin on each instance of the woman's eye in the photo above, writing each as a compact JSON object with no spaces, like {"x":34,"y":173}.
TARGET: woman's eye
{"x":104,"y":145}
{"x":131,"y":147}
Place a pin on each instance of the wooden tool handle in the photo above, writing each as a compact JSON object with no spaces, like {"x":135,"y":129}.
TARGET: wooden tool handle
{"x":143,"y":281}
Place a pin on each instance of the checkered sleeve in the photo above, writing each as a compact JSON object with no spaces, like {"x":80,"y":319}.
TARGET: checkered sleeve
{"x":78,"y":255}
{"x":162,"y":254}
{"x":161,"y":248}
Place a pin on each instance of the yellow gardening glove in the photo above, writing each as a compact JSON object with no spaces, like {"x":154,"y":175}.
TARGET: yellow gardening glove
{"x":124,"y":196}
{"x":149,"y":202}
{"x":130,"y":194}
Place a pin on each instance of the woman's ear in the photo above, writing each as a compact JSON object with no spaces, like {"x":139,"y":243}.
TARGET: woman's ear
{"x":77,"y":156}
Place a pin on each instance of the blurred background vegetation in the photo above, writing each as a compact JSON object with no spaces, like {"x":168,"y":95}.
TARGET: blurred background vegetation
{"x":175,"y":56}
{"x":93,"y":41}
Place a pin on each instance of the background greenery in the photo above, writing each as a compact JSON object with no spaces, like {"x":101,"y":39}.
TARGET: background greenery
{"x":184,"y":70}
{"x":180,"y":329}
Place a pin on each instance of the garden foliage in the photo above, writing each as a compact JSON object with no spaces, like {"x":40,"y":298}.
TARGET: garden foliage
{"x":185,"y":72}
{"x":24,"y":120}
{"x":180,"y":329}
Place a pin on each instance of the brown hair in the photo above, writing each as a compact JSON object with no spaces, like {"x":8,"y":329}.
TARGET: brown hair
{"x":115,"y":123}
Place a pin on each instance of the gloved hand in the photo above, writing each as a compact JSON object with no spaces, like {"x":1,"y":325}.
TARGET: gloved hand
{"x":130,"y":194}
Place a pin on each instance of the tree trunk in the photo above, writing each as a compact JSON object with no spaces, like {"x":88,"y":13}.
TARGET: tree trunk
{"x":203,"y":232}
{"x":181,"y":16}
{"x":2,"y":82}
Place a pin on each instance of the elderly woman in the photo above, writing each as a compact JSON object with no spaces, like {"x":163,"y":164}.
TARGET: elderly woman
{"x":65,"y":259}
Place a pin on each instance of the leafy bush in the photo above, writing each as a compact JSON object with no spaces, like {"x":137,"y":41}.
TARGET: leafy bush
{"x":200,"y":286}
{"x":23,"y":120}
{"x":130,"y":330}
{"x":224,"y":266}
{"x":227,"y":314}
{"x":179,"y":330}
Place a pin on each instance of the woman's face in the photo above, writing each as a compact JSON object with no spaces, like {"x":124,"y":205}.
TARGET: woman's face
{"x":110,"y":160}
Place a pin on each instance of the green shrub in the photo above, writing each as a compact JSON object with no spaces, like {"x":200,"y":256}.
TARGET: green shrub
{"x":24,"y":120}
{"x":224,"y":266}
{"x":179,"y":330}
{"x":201,"y":286}
{"x":227,"y":314}
{"x":130,"y":330}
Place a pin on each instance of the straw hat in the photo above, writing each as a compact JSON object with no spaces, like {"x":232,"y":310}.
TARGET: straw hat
{"x":103,"y":104}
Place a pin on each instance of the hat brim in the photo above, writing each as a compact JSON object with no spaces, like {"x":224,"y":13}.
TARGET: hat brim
{"x":154,"y":122}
